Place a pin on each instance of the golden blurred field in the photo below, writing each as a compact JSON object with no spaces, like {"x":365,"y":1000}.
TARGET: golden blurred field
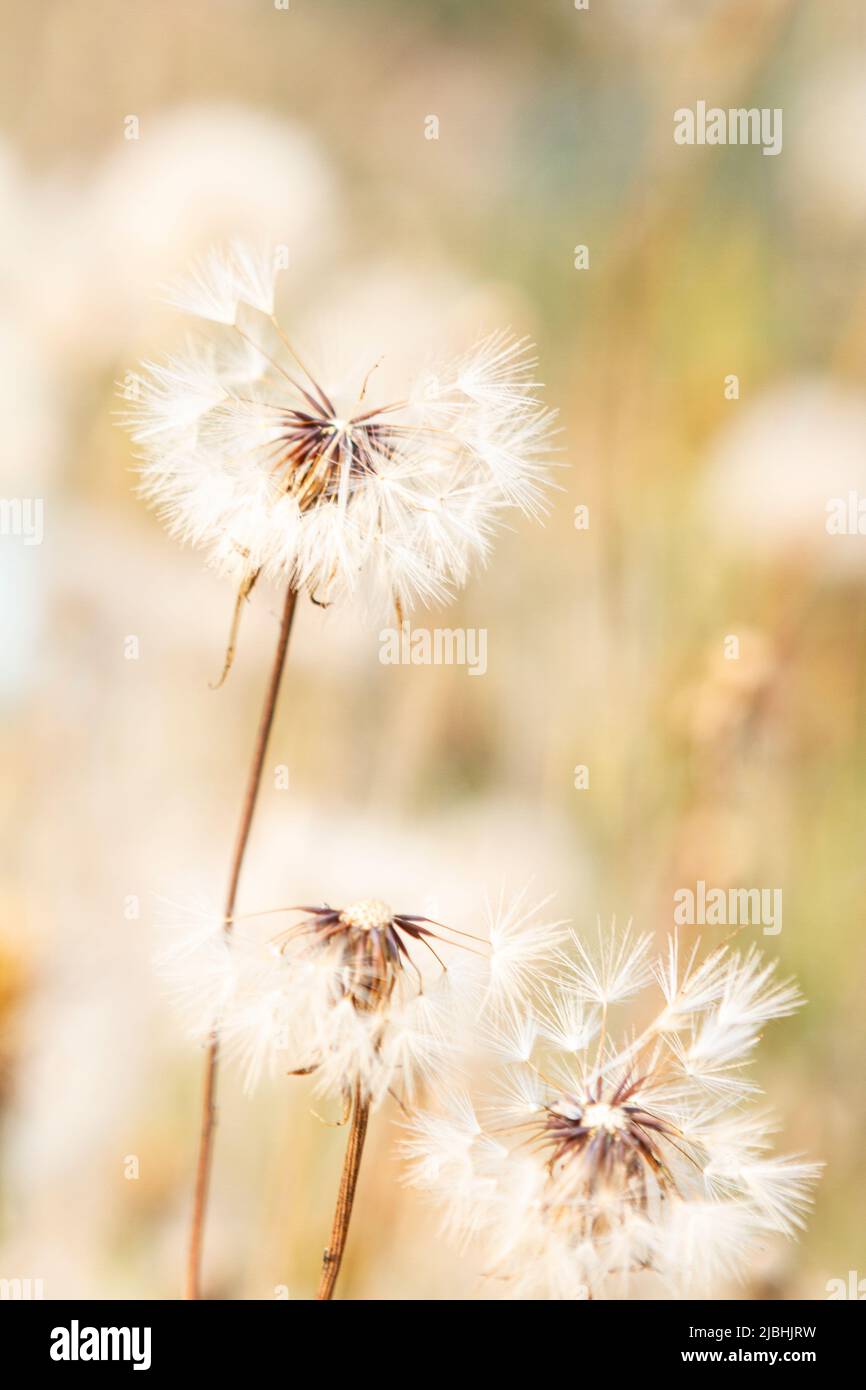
{"x":121,"y":778}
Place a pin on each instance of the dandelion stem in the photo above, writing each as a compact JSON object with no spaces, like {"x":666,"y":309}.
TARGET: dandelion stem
{"x":208,"y":1117}
{"x":346,"y":1195}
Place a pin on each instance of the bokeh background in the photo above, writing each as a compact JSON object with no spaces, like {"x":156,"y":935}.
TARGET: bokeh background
{"x":120,"y":779}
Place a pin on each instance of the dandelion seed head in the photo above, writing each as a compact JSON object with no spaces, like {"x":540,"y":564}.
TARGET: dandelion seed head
{"x":287,"y":469}
{"x":340,"y":994}
{"x":623,"y":1157}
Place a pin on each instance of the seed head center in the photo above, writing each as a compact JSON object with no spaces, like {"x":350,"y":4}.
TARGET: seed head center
{"x":600,"y":1115}
{"x":368,"y":915}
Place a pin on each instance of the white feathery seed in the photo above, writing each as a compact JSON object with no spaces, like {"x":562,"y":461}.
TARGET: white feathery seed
{"x":522,"y":942}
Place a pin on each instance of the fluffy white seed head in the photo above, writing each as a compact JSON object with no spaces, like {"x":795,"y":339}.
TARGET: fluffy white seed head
{"x":274,"y":464}
{"x":359,"y":995}
{"x":607,"y":1162}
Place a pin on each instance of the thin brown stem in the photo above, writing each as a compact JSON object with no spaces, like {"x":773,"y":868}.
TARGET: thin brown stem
{"x":333,"y":1256}
{"x":208,"y":1115}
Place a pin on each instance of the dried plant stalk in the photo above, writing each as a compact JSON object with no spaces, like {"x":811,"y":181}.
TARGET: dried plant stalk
{"x":208,"y":1119}
{"x":333,"y":1256}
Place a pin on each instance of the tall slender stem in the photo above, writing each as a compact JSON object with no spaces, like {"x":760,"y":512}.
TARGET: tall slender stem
{"x":208,"y":1114}
{"x":333,"y":1257}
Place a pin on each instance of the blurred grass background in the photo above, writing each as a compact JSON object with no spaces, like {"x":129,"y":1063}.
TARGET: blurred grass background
{"x":119,"y":780}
